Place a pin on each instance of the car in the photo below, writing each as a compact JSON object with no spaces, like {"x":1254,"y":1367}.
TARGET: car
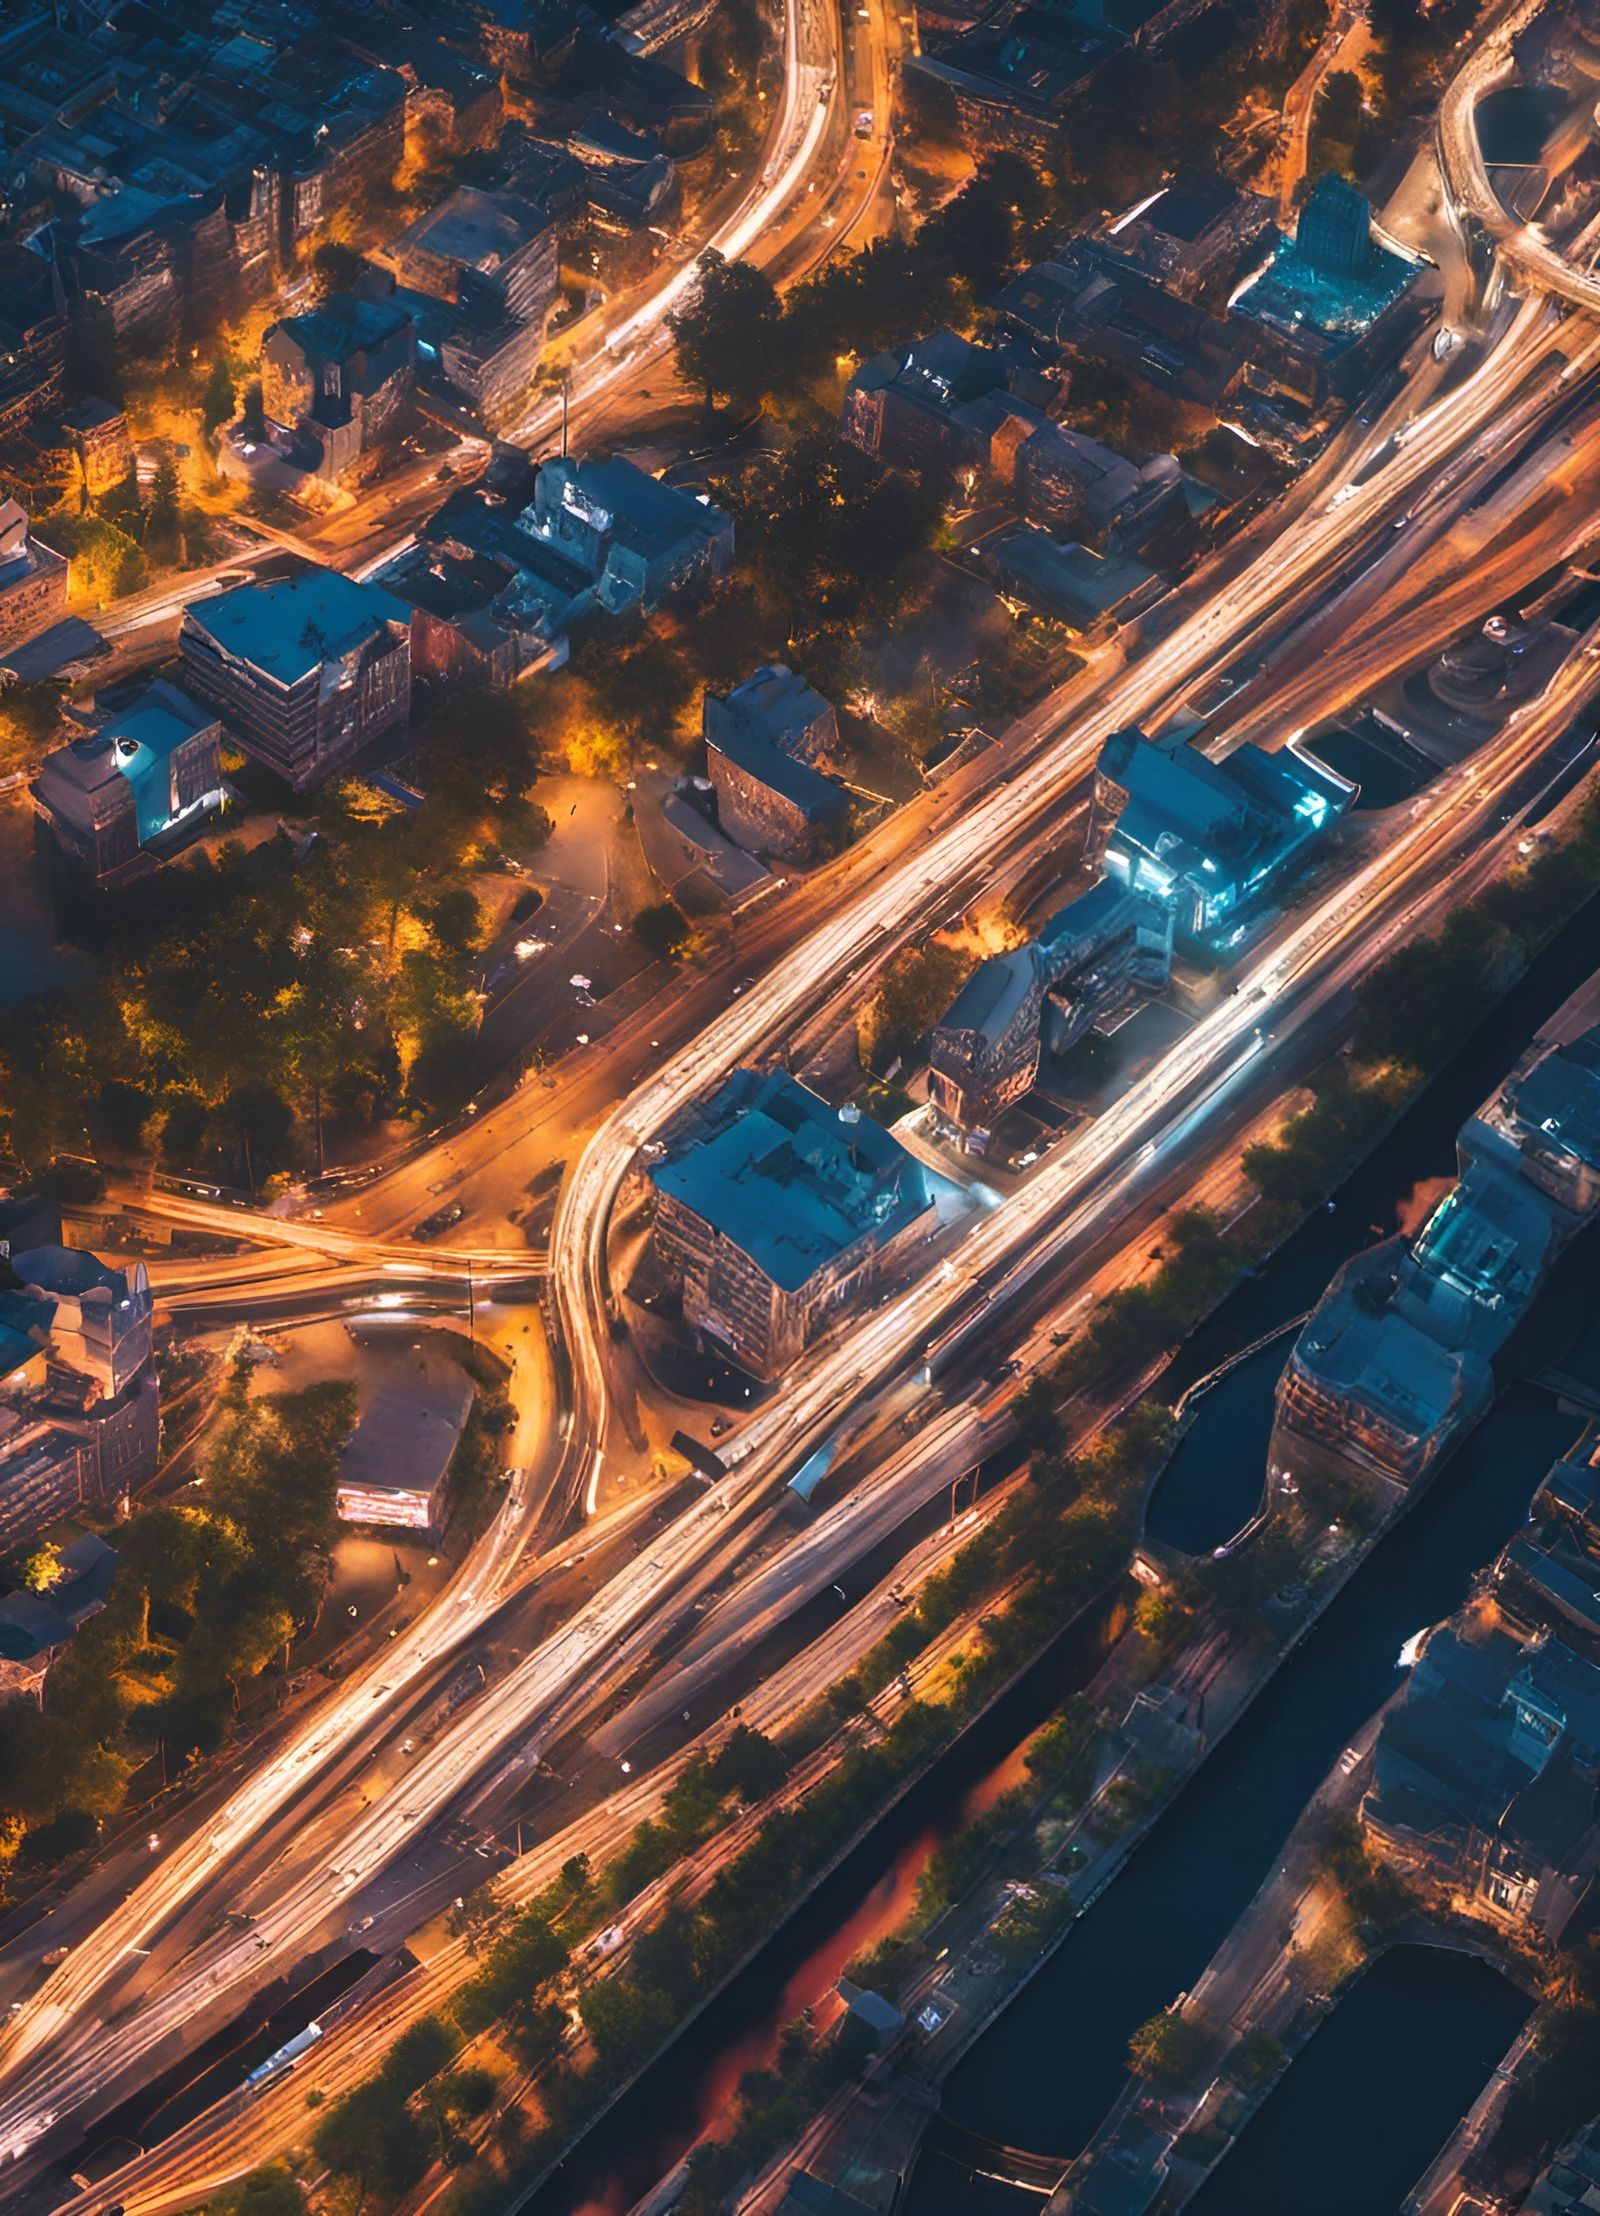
{"x":863,"y":123}
{"x":440,"y":1221}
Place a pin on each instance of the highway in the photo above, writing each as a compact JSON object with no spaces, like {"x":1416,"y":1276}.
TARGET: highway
{"x":60,"y":2053}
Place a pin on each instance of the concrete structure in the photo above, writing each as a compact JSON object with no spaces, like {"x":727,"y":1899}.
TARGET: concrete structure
{"x":1193,"y":237}
{"x":1400,"y":1358}
{"x":780,"y":1214}
{"x":984,"y":1052}
{"x":303,"y":672}
{"x":1485,"y":1776}
{"x":635,"y":538}
{"x":1089,"y":300}
{"x":489,"y":249}
{"x":478,"y":275}
{"x":138,"y":778}
{"x":1070,"y":581}
{"x":629,"y":177}
{"x":765,"y":743}
{"x":33,"y":580}
{"x":394,"y":1468}
{"x":1216,"y":839}
{"x":945,"y":403}
{"x":79,"y":1402}
{"x":337,"y":382}
{"x":36,"y":1626}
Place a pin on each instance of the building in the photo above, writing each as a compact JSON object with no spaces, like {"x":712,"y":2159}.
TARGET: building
{"x":98,"y":435}
{"x":907,"y":407}
{"x":1330,"y":305}
{"x":33,"y":580}
{"x":1548,"y":1576}
{"x":636,"y":539}
{"x":1089,"y":301}
{"x":1193,"y":237}
{"x":1486,"y":1775}
{"x":486,"y":251}
{"x":630,"y":177}
{"x":947,"y":404}
{"x":36,"y":1626}
{"x":1069,"y":581}
{"x":765,"y":744}
{"x":136,"y":781}
{"x":781,"y":708}
{"x":1400,"y":1358}
{"x":33,"y":339}
{"x":1216,"y":839}
{"x":984,"y":1052}
{"x":499,"y":579}
{"x":337,"y":382}
{"x":303,"y":672}
{"x":780,"y":1214}
{"x":395,"y":1466}
{"x":79,"y":1401}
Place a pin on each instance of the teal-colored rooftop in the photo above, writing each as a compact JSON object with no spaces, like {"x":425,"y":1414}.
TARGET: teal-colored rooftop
{"x":789,"y":1181}
{"x":291,"y":628}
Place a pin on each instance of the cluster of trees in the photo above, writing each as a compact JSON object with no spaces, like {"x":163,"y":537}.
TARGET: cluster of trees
{"x":245,"y":999}
{"x":1167,"y":2050}
{"x":916,"y":988}
{"x":1377,"y":1898}
{"x":382,"y":2137}
{"x":210,"y":1589}
{"x":1131,"y":1327}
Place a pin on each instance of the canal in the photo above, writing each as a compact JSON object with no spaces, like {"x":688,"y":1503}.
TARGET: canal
{"x":1046,"y":2073}
{"x":1407,"y":2053}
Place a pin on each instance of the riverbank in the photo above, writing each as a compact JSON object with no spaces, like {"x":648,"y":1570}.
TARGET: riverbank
{"x":829,"y":2146}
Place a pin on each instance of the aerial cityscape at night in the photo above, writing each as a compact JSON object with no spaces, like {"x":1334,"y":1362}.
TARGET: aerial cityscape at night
{"x":799,"y":1107}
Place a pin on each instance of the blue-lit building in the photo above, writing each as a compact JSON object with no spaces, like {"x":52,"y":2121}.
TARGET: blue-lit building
{"x":1330,"y":304}
{"x":1214,"y":839}
{"x":779,"y":1213}
{"x":1484,"y":1778}
{"x":137,"y":781}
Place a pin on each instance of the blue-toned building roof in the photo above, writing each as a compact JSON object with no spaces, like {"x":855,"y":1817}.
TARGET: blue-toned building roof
{"x":789,"y":1181}
{"x":288,"y":629}
{"x":343,"y":326}
{"x":25,"y":1322}
{"x":1333,"y":280}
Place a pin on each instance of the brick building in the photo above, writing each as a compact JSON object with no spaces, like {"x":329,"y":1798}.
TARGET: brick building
{"x":33,"y":580}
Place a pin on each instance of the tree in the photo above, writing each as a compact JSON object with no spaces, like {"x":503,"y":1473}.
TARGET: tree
{"x":727,"y":331}
{"x":219,"y":400}
{"x":750,"y":1764}
{"x":161,"y":517}
{"x":273,"y":2190}
{"x":1256,"y":2060}
{"x":661,"y":930}
{"x":1166,"y":2049}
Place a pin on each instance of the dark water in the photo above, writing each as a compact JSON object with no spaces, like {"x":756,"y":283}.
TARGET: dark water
{"x":1515,"y":123}
{"x":1212,"y":1485}
{"x":1407,"y":2052}
{"x":1370,"y":761}
{"x":1047,"y":2072}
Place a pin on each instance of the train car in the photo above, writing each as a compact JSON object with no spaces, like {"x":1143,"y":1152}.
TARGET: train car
{"x":284,"y":2057}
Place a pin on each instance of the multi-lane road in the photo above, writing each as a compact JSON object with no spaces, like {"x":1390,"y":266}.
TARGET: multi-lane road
{"x":1354,"y":529}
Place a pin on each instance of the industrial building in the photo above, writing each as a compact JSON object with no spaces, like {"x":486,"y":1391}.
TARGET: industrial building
{"x":1216,"y":839}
